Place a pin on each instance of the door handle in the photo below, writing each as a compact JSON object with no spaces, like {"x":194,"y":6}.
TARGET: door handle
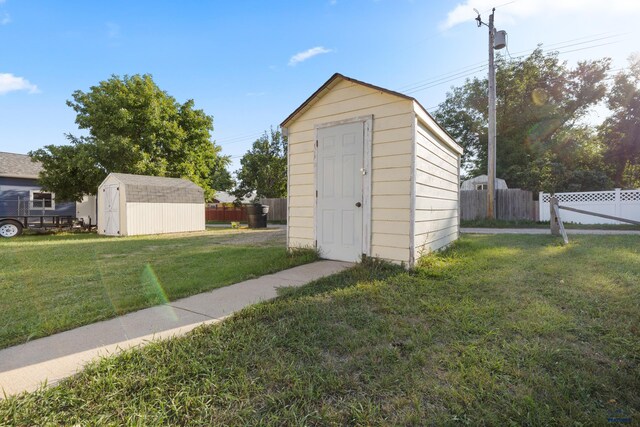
{"x":358,"y":204}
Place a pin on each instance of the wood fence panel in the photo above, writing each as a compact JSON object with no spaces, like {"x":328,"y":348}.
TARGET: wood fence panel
{"x":224,"y":213}
{"x":511,"y":204}
{"x":277,"y":209}
{"x":473,"y":204}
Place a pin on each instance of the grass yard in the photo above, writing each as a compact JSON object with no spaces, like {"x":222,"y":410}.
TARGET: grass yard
{"x":501,"y":223}
{"x":56,"y":282}
{"x":498,"y":330}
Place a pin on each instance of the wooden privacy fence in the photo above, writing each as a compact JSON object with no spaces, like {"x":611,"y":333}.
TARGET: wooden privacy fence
{"x":511,"y":204}
{"x":225,"y":213}
{"x":277,"y":209}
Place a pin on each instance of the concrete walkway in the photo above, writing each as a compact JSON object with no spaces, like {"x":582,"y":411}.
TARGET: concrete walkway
{"x":25,"y":367}
{"x":542,"y":231}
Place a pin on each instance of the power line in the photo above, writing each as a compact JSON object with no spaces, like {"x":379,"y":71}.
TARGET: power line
{"x":410,"y":88}
{"x":232,"y":140}
{"x":453,"y":76}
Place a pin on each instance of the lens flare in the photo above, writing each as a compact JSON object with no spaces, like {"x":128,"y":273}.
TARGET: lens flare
{"x":154,"y":287}
{"x":539,"y":96}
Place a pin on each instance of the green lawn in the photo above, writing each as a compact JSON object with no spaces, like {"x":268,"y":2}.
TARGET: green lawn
{"x":500,"y":223}
{"x":499,"y":330}
{"x":56,"y":282}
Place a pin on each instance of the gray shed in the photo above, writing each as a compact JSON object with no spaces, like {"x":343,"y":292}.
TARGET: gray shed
{"x":480,"y":182}
{"x":130,"y":205}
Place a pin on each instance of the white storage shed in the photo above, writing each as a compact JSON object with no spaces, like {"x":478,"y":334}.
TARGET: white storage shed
{"x":481,"y":182}
{"x":370,"y":173}
{"x":130,"y":205}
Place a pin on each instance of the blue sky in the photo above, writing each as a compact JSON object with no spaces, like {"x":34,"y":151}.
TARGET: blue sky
{"x":251,"y":63}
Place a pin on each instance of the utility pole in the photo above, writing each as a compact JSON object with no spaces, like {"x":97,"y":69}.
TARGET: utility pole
{"x":491,"y":148}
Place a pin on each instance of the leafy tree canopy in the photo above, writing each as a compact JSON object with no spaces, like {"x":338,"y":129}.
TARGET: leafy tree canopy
{"x":540,"y":101}
{"x":134,"y":127}
{"x":264,"y":168}
{"x":221,"y":179}
{"x":621,"y":130}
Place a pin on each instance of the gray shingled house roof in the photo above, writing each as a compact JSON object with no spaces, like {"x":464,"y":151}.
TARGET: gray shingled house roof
{"x":18,"y":166}
{"x":157,"y":189}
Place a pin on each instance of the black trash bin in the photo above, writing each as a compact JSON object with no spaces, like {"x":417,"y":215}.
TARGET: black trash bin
{"x":263,"y":216}
{"x":256,"y":216}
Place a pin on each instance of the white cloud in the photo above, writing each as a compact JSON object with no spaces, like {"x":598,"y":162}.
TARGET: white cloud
{"x":310,"y":53}
{"x":5,"y":19}
{"x":511,"y":12}
{"x":11,"y":83}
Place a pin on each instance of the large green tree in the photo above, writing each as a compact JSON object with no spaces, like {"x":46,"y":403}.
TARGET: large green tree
{"x":264,"y":168}
{"x":221,"y":179}
{"x":621,"y":130}
{"x":540,"y":100}
{"x":133,"y":127}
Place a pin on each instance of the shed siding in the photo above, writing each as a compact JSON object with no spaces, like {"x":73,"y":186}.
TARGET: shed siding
{"x":391,"y":165}
{"x":139,"y":217}
{"x":437,"y":192}
{"x":156,"y":218}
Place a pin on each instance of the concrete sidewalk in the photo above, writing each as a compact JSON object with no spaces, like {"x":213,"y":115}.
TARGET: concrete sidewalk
{"x":25,"y":367}
{"x":543,"y":231}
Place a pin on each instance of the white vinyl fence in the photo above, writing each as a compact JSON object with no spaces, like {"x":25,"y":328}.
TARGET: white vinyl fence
{"x":620,"y":203}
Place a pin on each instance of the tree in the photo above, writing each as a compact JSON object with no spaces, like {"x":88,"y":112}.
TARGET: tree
{"x":573,"y":163}
{"x":220,"y":178}
{"x":134,"y":127}
{"x":264,"y":168}
{"x":621,"y":130}
{"x":539,"y":98}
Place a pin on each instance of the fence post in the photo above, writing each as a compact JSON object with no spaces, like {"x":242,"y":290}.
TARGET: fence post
{"x":618,"y":207}
{"x":553,"y":218}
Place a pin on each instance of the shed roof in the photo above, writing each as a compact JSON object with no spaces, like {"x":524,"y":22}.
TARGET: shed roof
{"x":159,"y":189}
{"x":337,"y":77}
{"x":14,"y":165}
{"x":482,"y":179}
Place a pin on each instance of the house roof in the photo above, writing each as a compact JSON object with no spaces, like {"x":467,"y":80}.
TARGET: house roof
{"x":14,"y":165}
{"x":482,"y":179}
{"x":224,"y":197}
{"x":159,"y":189}
{"x":335,"y":79}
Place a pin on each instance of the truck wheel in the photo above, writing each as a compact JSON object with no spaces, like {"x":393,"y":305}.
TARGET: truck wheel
{"x":10,"y":229}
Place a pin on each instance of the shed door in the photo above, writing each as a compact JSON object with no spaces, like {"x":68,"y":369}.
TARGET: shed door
{"x":339,"y":199}
{"x":112,"y":210}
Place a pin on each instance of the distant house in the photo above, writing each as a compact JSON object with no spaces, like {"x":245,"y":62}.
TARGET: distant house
{"x":22,"y":195}
{"x":224,"y":197}
{"x":480,"y":182}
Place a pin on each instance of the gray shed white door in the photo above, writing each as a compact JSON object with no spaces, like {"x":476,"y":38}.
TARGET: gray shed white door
{"x":339,"y":201}
{"x":112,"y":210}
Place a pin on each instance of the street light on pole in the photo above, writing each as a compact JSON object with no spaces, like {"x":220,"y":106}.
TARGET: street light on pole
{"x":497,"y":40}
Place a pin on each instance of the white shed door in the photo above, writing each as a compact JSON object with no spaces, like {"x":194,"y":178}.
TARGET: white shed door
{"x":339,"y":200}
{"x":112,"y":210}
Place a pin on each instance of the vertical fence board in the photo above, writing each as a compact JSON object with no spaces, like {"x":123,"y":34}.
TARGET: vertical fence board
{"x":224,"y":213}
{"x":277,"y":209}
{"x":511,"y":204}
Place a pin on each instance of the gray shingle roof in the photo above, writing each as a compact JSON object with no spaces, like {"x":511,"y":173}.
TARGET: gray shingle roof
{"x":157,"y":189}
{"x":18,"y":166}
